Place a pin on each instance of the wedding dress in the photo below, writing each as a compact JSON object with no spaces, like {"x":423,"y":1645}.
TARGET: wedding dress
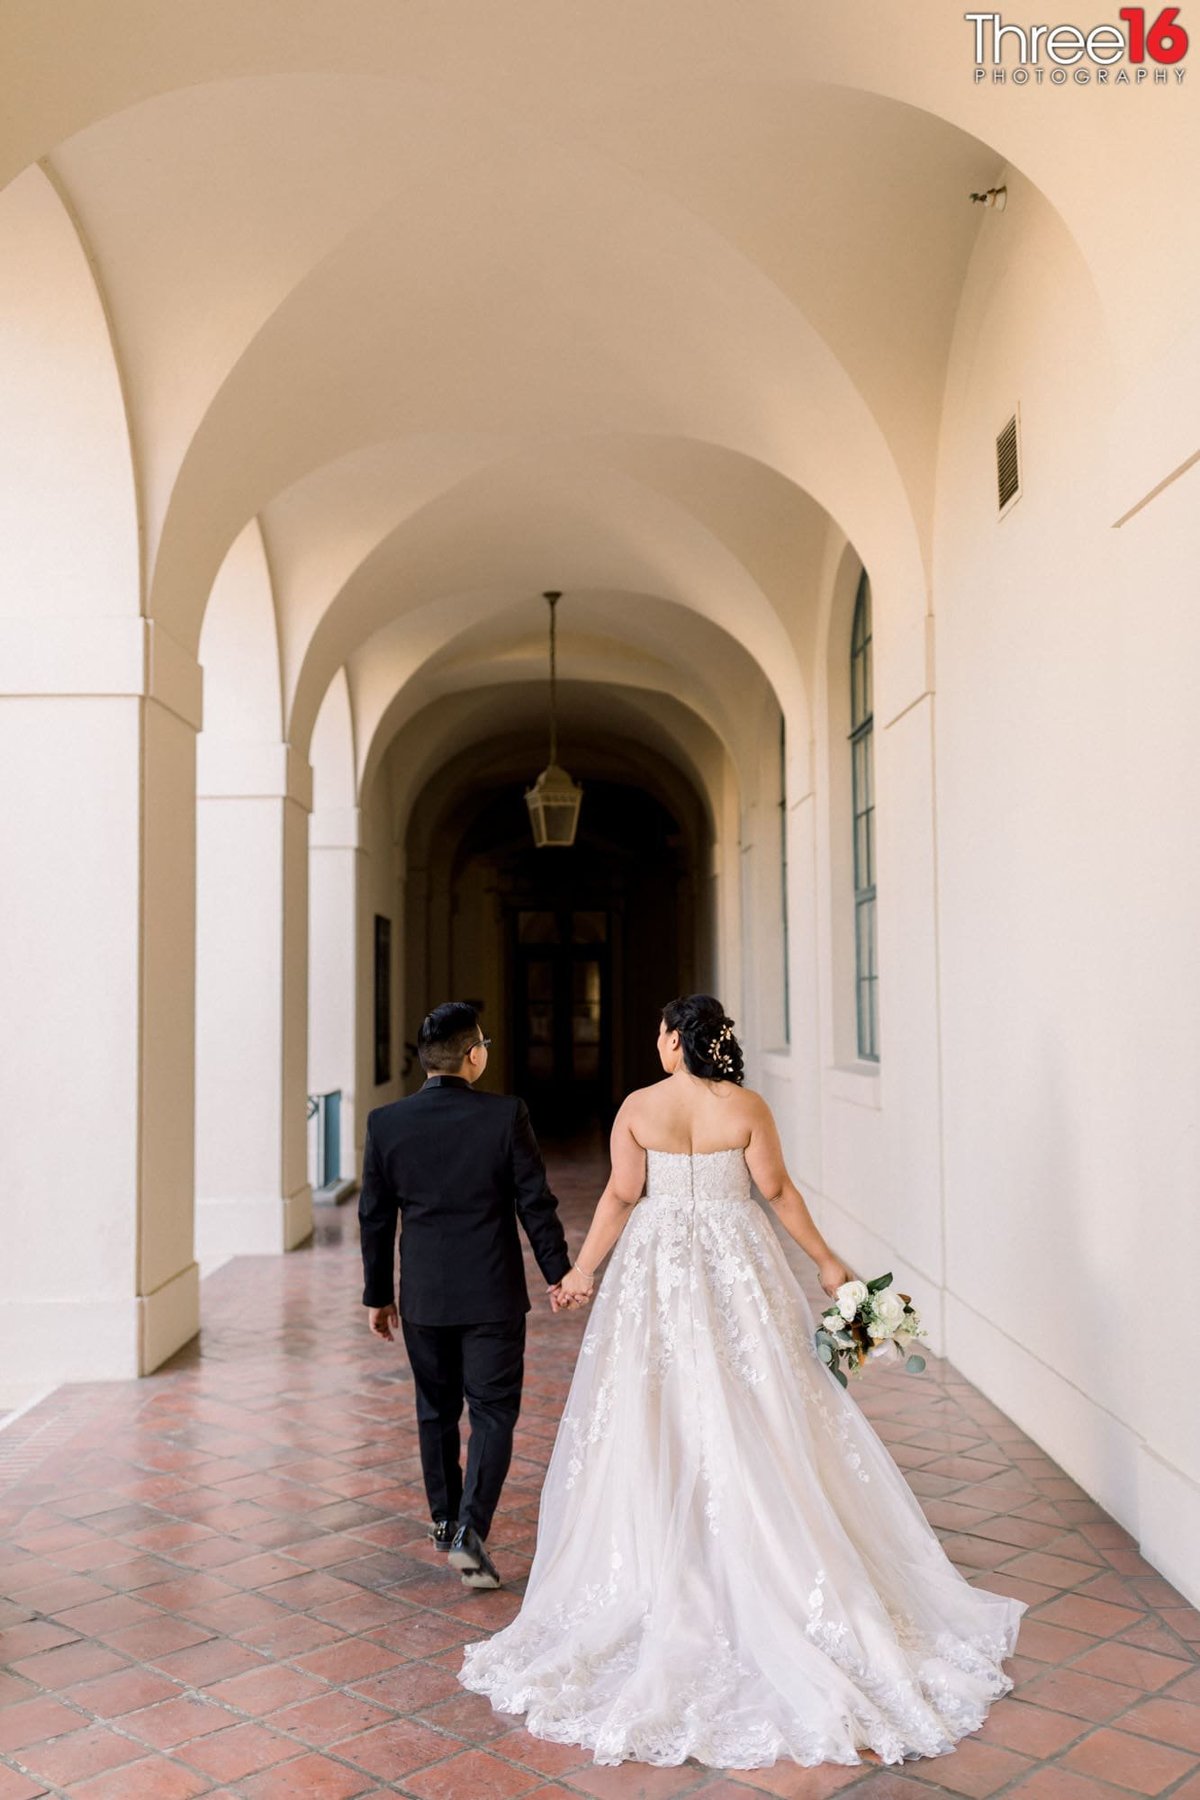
{"x":729,"y":1565}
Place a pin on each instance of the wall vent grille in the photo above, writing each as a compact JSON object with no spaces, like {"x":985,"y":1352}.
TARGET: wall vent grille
{"x":1008,"y":465}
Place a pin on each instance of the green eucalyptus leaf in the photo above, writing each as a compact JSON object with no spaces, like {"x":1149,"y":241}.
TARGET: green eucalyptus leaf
{"x":880,"y":1282}
{"x":915,"y":1364}
{"x":825,"y":1353}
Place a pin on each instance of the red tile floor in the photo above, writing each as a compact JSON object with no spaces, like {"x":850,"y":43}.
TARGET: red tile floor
{"x":216,"y":1582}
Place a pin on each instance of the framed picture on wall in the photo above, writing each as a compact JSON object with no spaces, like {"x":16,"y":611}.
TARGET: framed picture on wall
{"x":383,"y":1000}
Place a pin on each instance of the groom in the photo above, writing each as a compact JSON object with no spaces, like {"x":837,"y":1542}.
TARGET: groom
{"x":459,"y":1167}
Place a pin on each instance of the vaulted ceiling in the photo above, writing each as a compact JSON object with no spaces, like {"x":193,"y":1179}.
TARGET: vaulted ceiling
{"x":464,"y":302}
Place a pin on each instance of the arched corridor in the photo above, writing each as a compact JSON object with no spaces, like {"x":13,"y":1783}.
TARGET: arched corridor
{"x":563,"y":953}
{"x":326,"y":351}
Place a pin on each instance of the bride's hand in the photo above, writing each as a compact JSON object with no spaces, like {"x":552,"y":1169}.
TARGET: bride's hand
{"x":576,"y":1287}
{"x":832,"y":1272}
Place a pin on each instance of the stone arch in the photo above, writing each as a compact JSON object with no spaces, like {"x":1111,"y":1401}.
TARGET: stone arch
{"x":620,"y":744}
{"x":628,"y":655}
{"x":68,"y":501}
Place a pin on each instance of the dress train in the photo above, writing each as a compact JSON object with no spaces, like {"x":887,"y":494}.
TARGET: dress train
{"x":730,"y":1566}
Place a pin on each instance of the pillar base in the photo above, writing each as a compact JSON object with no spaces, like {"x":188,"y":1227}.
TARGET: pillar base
{"x":45,"y":1342}
{"x":1169,"y":1521}
{"x":297,"y":1217}
{"x":168,"y":1318}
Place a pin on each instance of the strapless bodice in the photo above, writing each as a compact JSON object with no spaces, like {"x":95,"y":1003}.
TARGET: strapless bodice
{"x":697,"y":1177}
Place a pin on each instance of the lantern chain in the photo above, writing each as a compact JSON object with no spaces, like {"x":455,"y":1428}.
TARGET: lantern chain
{"x":553,"y":600}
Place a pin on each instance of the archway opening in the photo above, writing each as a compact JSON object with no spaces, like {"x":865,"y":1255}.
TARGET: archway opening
{"x":568,"y":953}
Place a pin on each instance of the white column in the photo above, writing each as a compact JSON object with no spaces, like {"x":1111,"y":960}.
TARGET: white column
{"x":252,"y":1191}
{"x":334,"y":855}
{"x":98,"y":721}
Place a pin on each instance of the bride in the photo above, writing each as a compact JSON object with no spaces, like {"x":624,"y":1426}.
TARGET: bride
{"x":729,"y":1564}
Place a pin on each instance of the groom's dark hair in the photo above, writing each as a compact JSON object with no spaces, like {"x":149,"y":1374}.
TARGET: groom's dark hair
{"x":446,"y":1035}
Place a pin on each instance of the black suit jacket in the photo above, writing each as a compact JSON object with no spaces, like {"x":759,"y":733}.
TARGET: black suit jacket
{"x":459,"y":1167}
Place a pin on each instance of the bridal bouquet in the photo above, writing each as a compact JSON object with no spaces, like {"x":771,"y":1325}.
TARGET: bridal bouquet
{"x":864,"y":1321}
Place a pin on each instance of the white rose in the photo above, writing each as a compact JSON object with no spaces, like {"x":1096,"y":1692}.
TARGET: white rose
{"x":889,"y":1311}
{"x":850,"y":1297}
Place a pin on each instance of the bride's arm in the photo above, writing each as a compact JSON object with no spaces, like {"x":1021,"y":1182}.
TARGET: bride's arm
{"x":624,"y":1190}
{"x":764,"y":1159}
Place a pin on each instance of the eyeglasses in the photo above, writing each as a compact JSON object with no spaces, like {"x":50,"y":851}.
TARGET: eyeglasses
{"x":485,"y":1043}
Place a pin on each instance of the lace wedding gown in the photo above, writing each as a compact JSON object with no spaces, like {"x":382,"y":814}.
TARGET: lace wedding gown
{"x":729,"y":1564}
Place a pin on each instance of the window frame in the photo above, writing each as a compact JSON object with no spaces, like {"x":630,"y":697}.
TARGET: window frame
{"x":862,"y":809}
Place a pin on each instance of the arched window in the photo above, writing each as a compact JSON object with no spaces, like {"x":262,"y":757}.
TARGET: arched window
{"x":862,"y":780}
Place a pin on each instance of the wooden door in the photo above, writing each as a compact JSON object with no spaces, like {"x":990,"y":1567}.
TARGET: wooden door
{"x":562,"y":1015}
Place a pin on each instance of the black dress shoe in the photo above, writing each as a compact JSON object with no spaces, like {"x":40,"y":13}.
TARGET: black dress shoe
{"x":443,"y":1533}
{"x":468,"y":1555}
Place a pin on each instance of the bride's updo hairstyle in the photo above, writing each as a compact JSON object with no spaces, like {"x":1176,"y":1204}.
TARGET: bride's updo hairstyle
{"x":710,"y":1049}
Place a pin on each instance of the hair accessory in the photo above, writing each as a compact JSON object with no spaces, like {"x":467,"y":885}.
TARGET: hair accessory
{"x":716,"y":1055}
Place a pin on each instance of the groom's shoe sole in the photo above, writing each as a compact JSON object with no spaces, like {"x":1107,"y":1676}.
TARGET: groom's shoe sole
{"x":479,"y":1578}
{"x":473,"y":1573}
{"x":474,"y":1565}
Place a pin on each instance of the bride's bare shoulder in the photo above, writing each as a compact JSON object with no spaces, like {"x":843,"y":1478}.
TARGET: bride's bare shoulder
{"x":644,"y":1102}
{"x":638,"y":1099}
{"x":753,"y":1106}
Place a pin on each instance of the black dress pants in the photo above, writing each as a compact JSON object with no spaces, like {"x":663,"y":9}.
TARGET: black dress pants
{"x":484,"y":1364}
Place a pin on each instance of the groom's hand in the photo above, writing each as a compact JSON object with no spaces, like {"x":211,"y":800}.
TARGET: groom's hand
{"x":382,"y":1322}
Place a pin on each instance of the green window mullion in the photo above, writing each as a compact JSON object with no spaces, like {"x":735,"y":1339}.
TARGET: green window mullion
{"x":862,"y":780}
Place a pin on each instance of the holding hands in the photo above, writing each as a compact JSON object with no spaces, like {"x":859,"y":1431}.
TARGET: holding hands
{"x":575,"y":1289}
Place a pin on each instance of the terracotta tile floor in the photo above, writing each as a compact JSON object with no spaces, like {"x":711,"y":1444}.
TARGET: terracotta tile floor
{"x":215,"y":1581}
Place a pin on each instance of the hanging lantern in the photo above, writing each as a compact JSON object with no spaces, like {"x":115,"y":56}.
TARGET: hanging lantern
{"x":554,"y":799}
